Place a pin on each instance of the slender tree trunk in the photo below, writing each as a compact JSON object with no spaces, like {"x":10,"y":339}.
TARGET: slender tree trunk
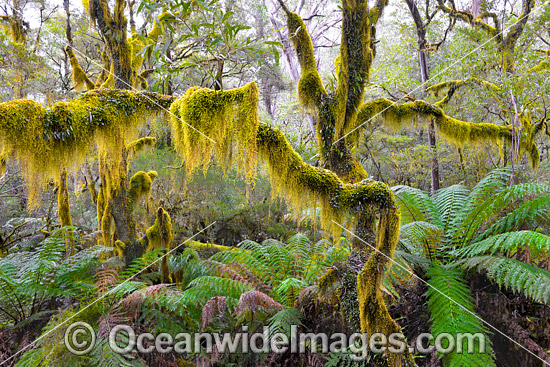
{"x":424,"y":77}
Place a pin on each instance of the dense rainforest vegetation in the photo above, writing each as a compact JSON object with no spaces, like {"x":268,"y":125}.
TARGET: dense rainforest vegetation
{"x":270,"y":167}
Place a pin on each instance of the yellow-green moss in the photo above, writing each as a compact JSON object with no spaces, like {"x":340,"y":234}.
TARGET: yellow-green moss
{"x":310,"y":86}
{"x":204,"y":246}
{"x":226,"y":122}
{"x":140,"y":185}
{"x":63,"y":201}
{"x":455,"y":131}
{"x":160,"y":235}
{"x":119,"y":248}
{"x":2,"y":164}
{"x":80,"y":79}
{"x":308,"y":187}
{"x":137,"y":146}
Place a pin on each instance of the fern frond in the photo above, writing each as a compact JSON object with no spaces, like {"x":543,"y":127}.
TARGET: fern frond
{"x":426,"y":236}
{"x":416,"y":206}
{"x":253,"y":302}
{"x":532,"y":214}
{"x":452,"y":311}
{"x":289,"y":289}
{"x":283,"y":320}
{"x":510,"y":241}
{"x":448,"y":202}
{"x":515,"y":275}
{"x":496,"y":181}
{"x":203,"y":288}
{"x":468,"y":224}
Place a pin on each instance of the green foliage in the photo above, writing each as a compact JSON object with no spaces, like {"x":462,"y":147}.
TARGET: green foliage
{"x":452,"y":311}
{"x":477,"y":229}
{"x":29,"y":279}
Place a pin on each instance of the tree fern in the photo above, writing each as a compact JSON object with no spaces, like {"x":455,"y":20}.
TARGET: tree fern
{"x":468,"y":224}
{"x":416,"y":205}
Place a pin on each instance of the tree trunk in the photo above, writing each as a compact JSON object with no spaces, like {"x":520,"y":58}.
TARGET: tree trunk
{"x":424,"y":77}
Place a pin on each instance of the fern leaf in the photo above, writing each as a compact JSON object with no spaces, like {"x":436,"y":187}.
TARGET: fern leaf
{"x":452,"y":311}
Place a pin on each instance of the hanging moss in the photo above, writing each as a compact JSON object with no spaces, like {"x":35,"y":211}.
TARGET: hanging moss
{"x":47,"y":140}
{"x":63,"y":201}
{"x":455,"y":131}
{"x":226,"y":122}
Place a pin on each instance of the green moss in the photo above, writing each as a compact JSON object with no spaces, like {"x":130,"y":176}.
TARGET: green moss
{"x":310,"y":86}
{"x":2,"y":164}
{"x":141,"y":184}
{"x":455,"y":131}
{"x":160,"y":235}
{"x":209,"y":246}
{"x":119,"y":249}
{"x":80,"y":79}
{"x":63,"y":201}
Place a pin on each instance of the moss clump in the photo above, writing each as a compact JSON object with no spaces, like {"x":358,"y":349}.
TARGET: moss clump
{"x":204,"y":120}
{"x":141,"y":184}
{"x":209,"y":246}
{"x":119,"y":249}
{"x":160,"y":235}
{"x":2,"y":164}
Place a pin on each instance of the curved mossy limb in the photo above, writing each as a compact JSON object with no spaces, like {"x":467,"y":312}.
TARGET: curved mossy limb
{"x":453,"y":85}
{"x":455,"y":131}
{"x":47,"y":140}
{"x":80,"y":79}
{"x":226,"y":122}
{"x":371,"y":201}
{"x":137,"y":146}
{"x":311,"y":90}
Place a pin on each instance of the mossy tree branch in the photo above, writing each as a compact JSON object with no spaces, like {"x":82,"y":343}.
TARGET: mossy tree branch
{"x":80,"y":78}
{"x":456,"y":131}
{"x":453,"y":85}
{"x":506,"y":43}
